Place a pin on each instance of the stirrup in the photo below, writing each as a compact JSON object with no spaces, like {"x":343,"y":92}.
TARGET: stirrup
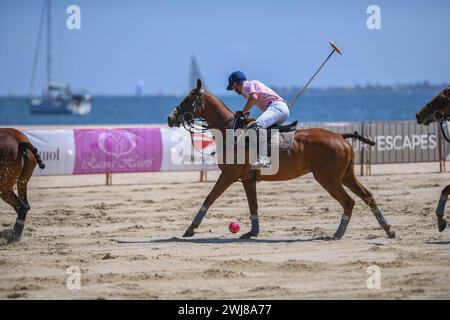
{"x":261,"y":163}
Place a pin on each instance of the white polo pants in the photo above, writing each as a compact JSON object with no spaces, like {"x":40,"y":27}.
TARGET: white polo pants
{"x":276,"y":113}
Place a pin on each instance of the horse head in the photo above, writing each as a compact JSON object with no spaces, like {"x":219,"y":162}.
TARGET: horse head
{"x":201,"y":105}
{"x":190,"y":108}
{"x":436,"y":110}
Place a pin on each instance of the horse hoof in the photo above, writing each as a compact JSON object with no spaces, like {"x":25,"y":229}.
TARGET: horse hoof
{"x":8,"y":236}
{"x":189,"y":233}
{"x":391,"y":235}
{"x":442,"y":224}
{"x":13,"y":240}
{"x":390,"y":232}
{"x":248,"y":235}
{"x":337,"y":236}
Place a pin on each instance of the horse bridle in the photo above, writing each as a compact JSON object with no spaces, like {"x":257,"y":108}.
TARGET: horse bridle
{"x":441,"y":122}
{"x":440,"y":117}
{"x":188,"y":116}
{"x":189,"y":121}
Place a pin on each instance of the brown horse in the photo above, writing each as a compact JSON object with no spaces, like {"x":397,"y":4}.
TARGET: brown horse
{"x":438,"y":110}
{"x":18,"y":159}
{"x":324,"y":153}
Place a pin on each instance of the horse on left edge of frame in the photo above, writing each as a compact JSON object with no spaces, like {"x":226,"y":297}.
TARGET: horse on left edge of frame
{"x":18,"y":158}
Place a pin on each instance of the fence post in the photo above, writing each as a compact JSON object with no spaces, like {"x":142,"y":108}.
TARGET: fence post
{"x":362,"y":151}
{"x":109,"y":179}
{"x":203,"y":175}
{"x":369,"y":163}
{"x":441,"y":151}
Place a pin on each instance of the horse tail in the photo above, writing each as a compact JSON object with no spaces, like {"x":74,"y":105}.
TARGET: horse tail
{"x":356,"y":135}
{"x":24,"y":146}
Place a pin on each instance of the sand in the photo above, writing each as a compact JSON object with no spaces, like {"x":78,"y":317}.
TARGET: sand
{"x":78,"y":221}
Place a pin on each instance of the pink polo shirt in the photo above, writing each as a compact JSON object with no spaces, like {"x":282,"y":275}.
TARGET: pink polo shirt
{"x":265,"y":94}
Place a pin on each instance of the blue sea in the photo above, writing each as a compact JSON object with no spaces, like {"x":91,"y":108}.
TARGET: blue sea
{"x":155,"y":109}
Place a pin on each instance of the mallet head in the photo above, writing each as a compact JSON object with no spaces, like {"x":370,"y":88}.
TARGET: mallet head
{"x":335,"y":48}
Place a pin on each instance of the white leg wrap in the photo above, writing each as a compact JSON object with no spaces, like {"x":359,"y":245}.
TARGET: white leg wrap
{"x":199,"y":217}
{"x":342,"y":227}
{"x":441,"y":206}
{"x":255,"y":224}
{"x":379,"y":216}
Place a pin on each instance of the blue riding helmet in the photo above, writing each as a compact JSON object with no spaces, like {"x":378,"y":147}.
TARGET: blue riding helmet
{"x":236,"y":76}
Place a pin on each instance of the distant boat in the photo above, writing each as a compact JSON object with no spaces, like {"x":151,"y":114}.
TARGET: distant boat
{"x":58,"y":98}
{"x":61,"y":100}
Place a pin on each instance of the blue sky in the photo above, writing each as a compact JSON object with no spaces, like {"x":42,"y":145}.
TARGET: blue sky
{"x":277,"y":42}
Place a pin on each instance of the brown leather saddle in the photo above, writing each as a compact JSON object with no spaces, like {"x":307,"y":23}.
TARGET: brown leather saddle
{"x":284,"y":136}
{"x":285,"y":127}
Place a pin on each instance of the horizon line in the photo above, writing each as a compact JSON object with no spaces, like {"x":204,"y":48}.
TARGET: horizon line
{"x":356,"y":87}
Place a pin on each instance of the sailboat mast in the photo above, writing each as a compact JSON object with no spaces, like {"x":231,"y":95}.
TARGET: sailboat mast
{"x":195,"y":74}
{"x":36,"y":51}
{"x":49,"y":41}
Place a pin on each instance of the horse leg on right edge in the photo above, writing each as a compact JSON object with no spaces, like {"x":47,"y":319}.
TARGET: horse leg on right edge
{"x":351,"y":182}
{"x":222,"y":184}
{"x":442,"y":223}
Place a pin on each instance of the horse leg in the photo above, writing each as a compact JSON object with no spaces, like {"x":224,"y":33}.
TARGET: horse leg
{"x":21,"y":209}
{"x":250,"y":191}
{"x":337,"y":191}
{"x":22,"y":182}
{"x":351,"y":182}
{"x":221,"y":185}
{"x":22,"y":185}
{"x":442,"y":223}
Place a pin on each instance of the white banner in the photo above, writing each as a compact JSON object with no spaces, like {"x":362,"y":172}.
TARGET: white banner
{"x":179,"y":154}
{"x":176,"y":150}
{"x":57,"y":150}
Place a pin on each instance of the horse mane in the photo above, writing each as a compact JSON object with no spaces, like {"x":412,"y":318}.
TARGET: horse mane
{"x":217,"y":100}
{"x":221,"y":102}
{"x":443,"y":97}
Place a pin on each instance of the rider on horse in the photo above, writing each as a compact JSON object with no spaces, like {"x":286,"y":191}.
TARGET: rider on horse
{"x":275,"y":110}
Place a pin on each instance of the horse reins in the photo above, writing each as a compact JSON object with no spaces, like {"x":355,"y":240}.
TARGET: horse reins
{"x":190,"y":125}
{"x":441,"y":120}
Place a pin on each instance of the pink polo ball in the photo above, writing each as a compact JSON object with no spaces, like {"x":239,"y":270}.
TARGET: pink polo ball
{"x":234,"y":227}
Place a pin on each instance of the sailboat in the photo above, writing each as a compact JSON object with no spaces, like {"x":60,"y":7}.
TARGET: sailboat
{"x":58,"y":98}
{"x":195,"y":74}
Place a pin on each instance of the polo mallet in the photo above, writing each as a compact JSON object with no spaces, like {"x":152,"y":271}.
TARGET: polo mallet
{"x":335,"y":49}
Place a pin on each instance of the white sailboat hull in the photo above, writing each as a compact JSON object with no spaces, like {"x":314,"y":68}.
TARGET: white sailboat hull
{"x":51,"y":105}
{"x":80,"y":109}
